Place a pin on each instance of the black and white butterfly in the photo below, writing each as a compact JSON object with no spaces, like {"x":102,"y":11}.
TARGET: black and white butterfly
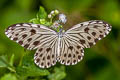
{"x":51,"y":46}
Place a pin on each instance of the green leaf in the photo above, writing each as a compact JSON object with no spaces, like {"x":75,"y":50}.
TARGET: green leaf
{"x":9,"y":77}
{"x":5,"y":63}
{"x":42,"y":21}
{"x":12,"y":60}
{"x":35,"y":21}
{"x":42,"y":18}
{"x":42,"y":13}
{"x":31,"y":71}
{"x":59,"y":74}
{"x":28,"y":67}
{"x":2,"y":64}
{"x":2,"y":61}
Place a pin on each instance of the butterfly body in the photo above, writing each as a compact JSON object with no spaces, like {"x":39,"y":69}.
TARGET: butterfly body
{"x":51,"y":46}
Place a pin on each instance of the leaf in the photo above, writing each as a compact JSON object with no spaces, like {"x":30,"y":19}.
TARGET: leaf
{"x":41,"y":18}
{"x":31,"y":71}
{"x":2,"y":61}
{"x":42,"y":21}
{"x":9,"y":77}
{"x":5,"y":63}
{"x":59,"y":74}
{"x":2,"y":64}
{"x":12,"y":60}
{"x":35,"y":21}
{"x":28,"y":68}
{"x":42,"y":13}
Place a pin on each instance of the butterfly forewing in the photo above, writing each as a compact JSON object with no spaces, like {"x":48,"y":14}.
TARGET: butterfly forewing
{"x":88,"y":33}
{"x":29,"y":35}
{"x":35,"y":36}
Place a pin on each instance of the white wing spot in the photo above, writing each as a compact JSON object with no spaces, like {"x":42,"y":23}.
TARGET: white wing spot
{"x":85,"y":23}
{"x":109,"y":29}
{"x":94,"y":43}
{"x":17,"y":41}
{"x":11,"y":38}
{"x":100,"y":22}
{"x":6,"y":32}
{"x":34,"y":25}
{"x":10,"y":27}
{"x":104,"y":35}
{"x":107,"y":32}
{"x":8,"y":35}
{"x":40,"y":66}
{"x":81,"y":58}
{"x":22,"y":45}
{"x":107,"y":25}
{"x":26,"y":25}
{"x":99,"y":38}
{"x":18,"y":25}
{"x":93,"y":22}
{"x":9,"y":31}
{"x":82,"y":54}
{"x":36,"y":62}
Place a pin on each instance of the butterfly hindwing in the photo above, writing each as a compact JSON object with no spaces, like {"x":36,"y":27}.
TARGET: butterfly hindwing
{"x":46,"y":55}
{"x":70,"y":53}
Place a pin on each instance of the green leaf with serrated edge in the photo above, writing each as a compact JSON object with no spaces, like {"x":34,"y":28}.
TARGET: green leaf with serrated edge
{"x":9,"y":77}
{"x":42,"y":13}
{"x":59,"y":74}
{"x":28,"y":67}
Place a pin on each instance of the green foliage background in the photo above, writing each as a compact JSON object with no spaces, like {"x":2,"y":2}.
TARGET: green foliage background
{"x":101,"y":62}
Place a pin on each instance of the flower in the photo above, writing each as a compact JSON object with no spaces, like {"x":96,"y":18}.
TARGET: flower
{"x":56,"y":24}
{"x":62,"y":18}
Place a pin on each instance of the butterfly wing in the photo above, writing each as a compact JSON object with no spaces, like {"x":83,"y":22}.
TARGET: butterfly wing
{"x":70,"y":53}
{"x":80,"y":36}
{"x":35,"y":36}
{"x":45,"y":56}
{"x":89,"y":32}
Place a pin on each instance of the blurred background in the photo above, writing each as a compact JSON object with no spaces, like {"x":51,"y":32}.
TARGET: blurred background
{"x":101,"y":62}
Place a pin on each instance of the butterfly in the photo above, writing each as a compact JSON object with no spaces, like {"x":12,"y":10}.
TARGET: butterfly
{"x":51,"y":46}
